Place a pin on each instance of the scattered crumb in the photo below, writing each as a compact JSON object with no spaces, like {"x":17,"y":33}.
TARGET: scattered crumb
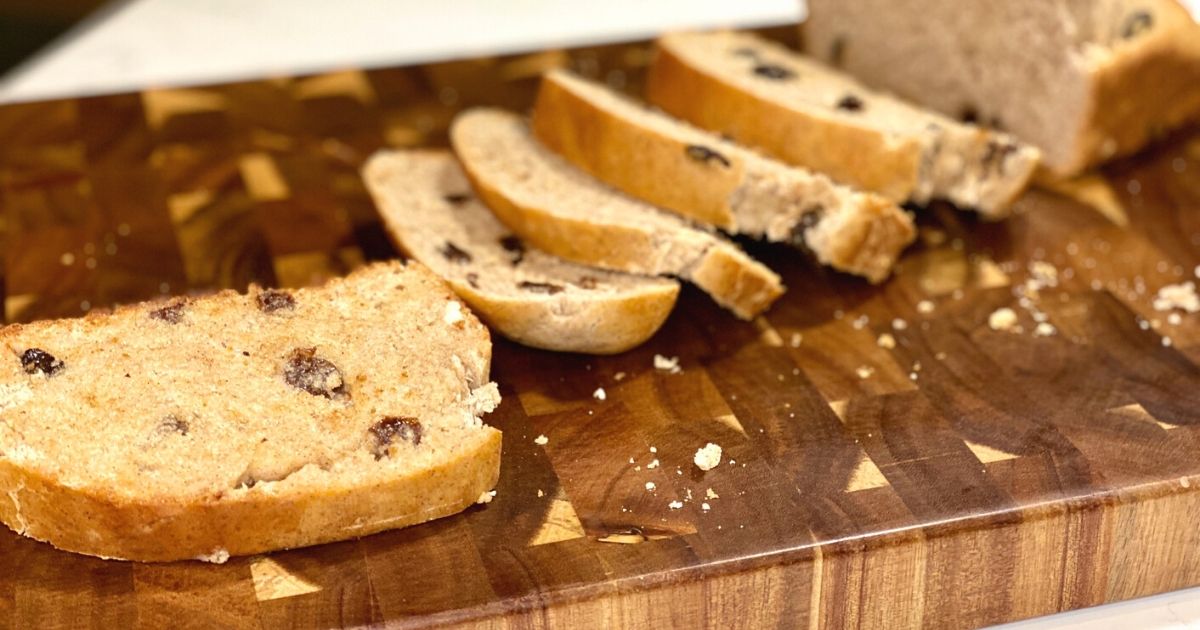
{"x":1044,"y":329}
{"x":218,"y":556}
{"x":899,"y":324}
{"x":675,"y":505}
{"x":860,"y":322}
{"x":706,"y":507}
{"x":886,"y":340}
{"x":912,"y":376}
{"x":864,"y":371}
{"x":454,"y":314}
{"x":650,"y":486}
{"x":1182,"y":296}
{"x":1166,"y":342}
{"x":653,"y":464}
{"x":486,"y":497}
{"x":708,"y":457}
{"x":631,"y":460}
{"x":667,"y":364}
{"x":540,"y":493}
{"x":541,"y":440}
{"x":797,"y":338}
{"x":619,"y":376}
{"x":940,"y":356}
{"x":709,"y":494}
{"x":924,"y":307}
{"x":599,"y":394}
{"x":653,"y":449}
{"x":1002,"y":319}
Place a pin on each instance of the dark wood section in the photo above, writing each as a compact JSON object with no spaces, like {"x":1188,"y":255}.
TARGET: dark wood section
{"x":961,"y":476}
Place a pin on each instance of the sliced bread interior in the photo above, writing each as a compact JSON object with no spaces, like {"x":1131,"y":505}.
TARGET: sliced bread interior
{"x":675,"y":166}
{"x":561,"y":209}
{"x":803,"y":112}
{"x":524,"y":293}
{"x":236,"y":424}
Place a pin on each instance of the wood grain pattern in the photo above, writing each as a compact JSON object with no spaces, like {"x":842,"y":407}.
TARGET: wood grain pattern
{"x":958,"y":477}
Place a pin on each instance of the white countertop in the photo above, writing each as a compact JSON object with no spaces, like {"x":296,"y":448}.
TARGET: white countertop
{"x":139,"y":43}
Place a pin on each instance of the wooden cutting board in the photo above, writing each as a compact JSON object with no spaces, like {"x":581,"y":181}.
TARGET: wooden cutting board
{"x":960,"y":476}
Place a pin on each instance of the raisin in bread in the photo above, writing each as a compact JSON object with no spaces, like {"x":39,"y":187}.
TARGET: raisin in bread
{"x":1082,"y":80}
{"x":236,"y":424}
{"x":677,"y":167}
{"x":566,"y":212}
{"x":808,"y":114}
{"x":526,"y":294}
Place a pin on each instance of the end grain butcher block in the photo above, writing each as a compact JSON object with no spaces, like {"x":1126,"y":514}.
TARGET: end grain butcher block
{"x":1007,"y":428}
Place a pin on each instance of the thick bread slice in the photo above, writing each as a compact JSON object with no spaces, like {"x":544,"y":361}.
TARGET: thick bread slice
{"x":525,"y":294}
{"x":566,"y":212}
{"x":236,"y":424}
{"x":678,"y":167}
{"x":1084,"y":80}
{"x":802,"y":112}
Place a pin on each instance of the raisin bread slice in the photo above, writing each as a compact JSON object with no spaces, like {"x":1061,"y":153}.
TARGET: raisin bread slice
{"x":237,"y":424}
{"x":566,"y":212}
{"x":805,"y":113}
{"x":527,"y":295}
{"x":1082,"y":80}
{"x":677,"y":167}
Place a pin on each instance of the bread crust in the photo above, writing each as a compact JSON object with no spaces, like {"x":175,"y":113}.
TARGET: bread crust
{"x":848,"y":153}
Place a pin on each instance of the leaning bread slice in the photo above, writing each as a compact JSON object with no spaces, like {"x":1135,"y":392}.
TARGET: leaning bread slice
{"x":237,"y":424}
{"x":566,"y":212}
{"x":527,"y":295}
{"x":678,"y":167}
{"x":802,"y":112}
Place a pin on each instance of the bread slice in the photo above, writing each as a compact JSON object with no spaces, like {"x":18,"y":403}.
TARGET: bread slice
{"x":566,"y":212}
{"x":678,"y":167}
{"x":802,"y":112}
{"x":1083,"y":81}
{"x":236,"y":424}
{"x":526,"y":294}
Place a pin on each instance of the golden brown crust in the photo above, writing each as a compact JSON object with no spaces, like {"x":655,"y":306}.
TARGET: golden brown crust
{"x":848,"y":153}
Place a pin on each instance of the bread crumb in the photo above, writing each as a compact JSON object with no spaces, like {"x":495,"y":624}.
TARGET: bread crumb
{"x":709,"y":494}
{"x":1002,"y":319}
{"x":797,"y":338}
{"x":864,"y":371}
{"x":705,"y":506}
{"x":924,"y":307}
{"x":1181,"y":296}
{"x":899,"y":324}
{"x":653,"y":464}
{"x":599,"y":394}
{"x":668,"y":364}
{"x":675,"y":505}
{"x":1166,"y":342}
{"x":886,"y":340}
{"x":1044,"y":329}
{"x":540,"y":493}
{"x":650,"y":486}
{"x":1174,"y":319}
{"x":653,"y":449}
{"x":486,"y":497}
{"x":707,"y":457}
{"x":619,"y":376}
{"x":454,"y":314}
{"x":860,"y":322}
{"x":541,"y":440}
{"x":218,"y":556}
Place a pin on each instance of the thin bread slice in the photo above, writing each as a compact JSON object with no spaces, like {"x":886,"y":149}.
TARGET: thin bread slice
{"x":804,"y":113}
{"x":669,"y":163}
{"x":566,"y":212}
{"x":1083,"y":81}
{"x":526,"y":294}
{"x":237,"y":424}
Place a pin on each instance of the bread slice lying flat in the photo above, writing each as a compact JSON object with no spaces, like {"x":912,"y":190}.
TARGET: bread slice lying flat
{"x":566,"y":212}
{"x":1083,"y":81}
{"x":525,"y":294}
{"x":236,"y":424}
{"x":808,"y":114}
{"x":678,"y":167}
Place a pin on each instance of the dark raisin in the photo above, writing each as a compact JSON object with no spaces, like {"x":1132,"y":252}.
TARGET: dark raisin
{"x":171,"y":313}
{"x":391,"y":428}
{"x":171,"y":423}
{"x":811,"y":217}
{"x":1136,"y":24}
{"x":587,"y":282}
{"x":273,"y":300}
{"x":837,"y":51}
{"x":745,"y":51}
{"x":705,"y":155}
{"x":317,"y":376}
{"x":515,"y":247}
{"x":455,"y":254}
{"x":457,"y":198}
{"x":969,"y":114}
{"x":473,"y":280}
{"x":850,"y":103}
{"x":774,"y":72}
{"x":540,"y":287}
{"x":36,"y":360}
